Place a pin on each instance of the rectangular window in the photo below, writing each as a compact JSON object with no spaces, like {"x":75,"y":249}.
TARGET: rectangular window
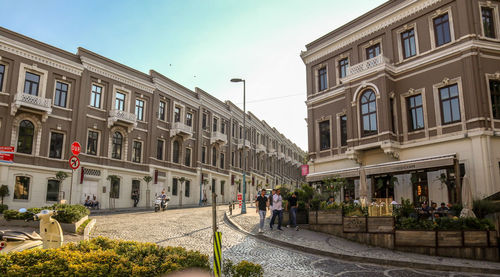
{"x":222,"y":160}
{"x":343,"y":65}
{"x":488,"y":23}
{"x":215,"y":123}
{"x":373,"y":51}
{"x":115,"y":189}
{"x":222,"y":187}
{"x":234,"y":130}
{"x":31,"y":83}
{"x":22,"y":188}
{"x":52,"y":190}
{"x":120,"y":101}
{"x":136,"y":186}
{"x":232,"y":158}
{"x":136,"y":154}
{"x":223,"y":128}
{"x":241,"y":159}
{"x":442,"y":29}
{"x":393,"y":115}
{"x":56,"y":145}
{"x":187,"y":188}
{"x":415,"y":112}
{"x":204,"y":121}
{"x":241,"y":132}
{"x":139,"y":109}
{"x":495,"y":98}
{"x":408,"y":43}
{"x":204,"y":154}
{"x":343,"y":130}
{"x":322,"y":79}
{"x":92,"y":140}
{"x":61,"y":94}
{"x":189,"y":119}
{"x":174,"y":186}
{"x":213,"y":185}
{"x":177,"y":114}
{"x":161,"y":111}
{"x":2,"y":73}
{"x":95,"y":96}
{"x":187,"y":159}
{"x":159,"y":150}
{"x":450,"y":104}
{"x":324,"y":135}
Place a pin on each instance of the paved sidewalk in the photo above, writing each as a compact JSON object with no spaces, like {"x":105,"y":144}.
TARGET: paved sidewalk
{"x":324,"y":244}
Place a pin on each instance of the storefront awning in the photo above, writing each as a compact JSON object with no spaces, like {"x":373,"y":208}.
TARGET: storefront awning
{"x":409,"y":165}
{"x":341,"y":173}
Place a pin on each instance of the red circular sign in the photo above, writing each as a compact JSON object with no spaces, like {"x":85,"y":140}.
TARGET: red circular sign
{"x":74,"y":162}
{"x":75,"y":148}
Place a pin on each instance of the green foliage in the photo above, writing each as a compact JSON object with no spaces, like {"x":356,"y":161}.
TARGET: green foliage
{"x":147,"y":179}
{"x":445,"y":224}
{"x":334,"y":206}
{"x":481,"y":208}
{"x":315,"y":204}
{"x":102,"y":257}
{"x":61,"y":176}
{"x":410,"y":223}
{"x":242,"y":269}
{"x":4,"y":191}
{"x":354,"y":210}
{"x":301,"y":206}
{"x":306,"y":192}
{"x":456,"y":209}
{"x":82,"y":226}
{"x":405,"y":209}
{"x":3,"y":208}
{"x":65,"y":213}
{"x":284,"y":205}
{"x":333,"y":185}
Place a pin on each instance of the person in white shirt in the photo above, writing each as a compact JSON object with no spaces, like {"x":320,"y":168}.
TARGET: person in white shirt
{"x":277,"y":210}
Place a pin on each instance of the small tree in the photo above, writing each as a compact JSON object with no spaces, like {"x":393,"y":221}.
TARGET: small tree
{"x":334,"y":185}
{"x":4,"y":191}
{"x":148,"y":180}
{"x":60,"y":177}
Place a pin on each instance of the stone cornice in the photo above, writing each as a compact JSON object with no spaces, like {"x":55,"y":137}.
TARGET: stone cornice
{"x":379,"y":22}
{"x":109,"y":72}
{"x":175,"y":92}
{"x":39,"y":56}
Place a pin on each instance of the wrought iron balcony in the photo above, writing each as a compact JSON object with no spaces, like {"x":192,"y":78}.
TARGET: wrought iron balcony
{"x":218,"y":137}
{"x":179,"y":128}
{"x":365,"y":67}
{"x":246,"y":142}
{"x":32,"y":102}
{"x":260,"y":148}
{"x":126,"y":118}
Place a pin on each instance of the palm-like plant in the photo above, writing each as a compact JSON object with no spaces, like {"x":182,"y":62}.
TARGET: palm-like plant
{"x":147,"y":179}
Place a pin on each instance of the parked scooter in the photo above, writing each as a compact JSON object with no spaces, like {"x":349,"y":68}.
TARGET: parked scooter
{"x":161,"y":203}
{"x":51,"y":235}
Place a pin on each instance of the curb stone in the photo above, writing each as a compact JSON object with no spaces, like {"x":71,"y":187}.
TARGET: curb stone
{"x":351,"y":258}
{"x":88,"y":229}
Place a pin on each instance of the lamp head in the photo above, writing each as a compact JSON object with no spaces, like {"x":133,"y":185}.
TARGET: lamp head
{"x":236,"y":80}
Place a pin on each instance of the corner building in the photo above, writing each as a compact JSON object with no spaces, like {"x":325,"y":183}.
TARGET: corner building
{"x":404,"y":101}
{"x":130,"y":125}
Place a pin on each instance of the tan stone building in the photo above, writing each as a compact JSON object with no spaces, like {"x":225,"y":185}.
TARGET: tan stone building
{"x":406,"y":98}
{"x":129,"y":124}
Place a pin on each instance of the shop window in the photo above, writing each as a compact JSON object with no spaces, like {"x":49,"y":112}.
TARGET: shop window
{"x":22,"y":188}
{"x":115,"y":188}
{"x":174,"y":186}
{"x":187,"y":188}
{"x":52,"y":191}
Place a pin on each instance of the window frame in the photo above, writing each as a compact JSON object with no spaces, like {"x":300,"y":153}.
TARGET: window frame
{"x":319,"y":78}
{"x":204,"y":155}
{"x":449,"y":99}
{"x":33,"y":69}
{"x":214,"y":156}
{"x":189,"y":119}
{"x":175,"y":186}
{"x":188,"y":156}
{"x":139,"y":110}
{"x":495,"y":15}
{"x":47,"y":190}
{"x":215,"y":124}
{"x":204,"y":121}
{"x":362,"y":115}
{"x":342,"y":66}
{"x":97,"y":142}
{"x":136,"y":157}
{"x":368,"y":49}
{"x":118,"y":101}
{"x":3,"y":76}
{"x":436,"y":14}
{"x":162,"y":111}
{"x":113,"y":153}
{"x":112,"y":193}
{"x":93,"y":92}
{"x":33,"y":142}
{"x":62,"y":145}
{"x":412,"y":41}
{"x":413,"y":121}
{"x":31,"y":83}
{"x":176,"y":158}
{"x":343,"y":142}
{"x":187,"y":188}
{"x":66,"y":100}
{"x":160,"y":154}
{"x":320,"y":136}
{"x":222,"y":159}
{"x":177,"y":116}
{"x":30,"y":185}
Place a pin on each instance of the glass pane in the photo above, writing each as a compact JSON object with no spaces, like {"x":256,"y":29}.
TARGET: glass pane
{"x":455,"y":106}
{"x":444,"y":93}
{"x":373,"y":122}
{"x":446,"y":112}
{"x":453,"y":90}
{"x":418,"y":100}
{"x":52,"y":190}
{"x":364,"y":108}
{"x":420,"y":118}
{"x":366,"y":123}
{"x":372,"y":107}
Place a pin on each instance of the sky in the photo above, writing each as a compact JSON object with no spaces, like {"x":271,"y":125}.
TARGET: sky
{"x":200,"y":43}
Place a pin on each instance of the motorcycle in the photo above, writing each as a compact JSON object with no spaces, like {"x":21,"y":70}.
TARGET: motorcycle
{"x":160,"y":203}
{"x":51,"y":235}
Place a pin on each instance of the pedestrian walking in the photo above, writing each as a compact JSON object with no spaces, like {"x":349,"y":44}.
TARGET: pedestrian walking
{"x":277,"y":210}
{"x":262,"y":204}
{"x":270,"y":200}
{"x":293,"y":207}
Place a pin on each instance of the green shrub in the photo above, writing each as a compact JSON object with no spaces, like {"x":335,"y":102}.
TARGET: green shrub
{"x":315,"y":204}
{"x":243,"y":269}
{"x":66,"y":213}
{"x":481,"y":208}
{"x":3,"y":208}
{"x":405,"y":209}
{"x":445,"y":224}
{"x":301,"y":206}
{"x":334,"y":206}
{"x":102,"y":257}
{"x":410,"y":223}
{"x":354,"y":210}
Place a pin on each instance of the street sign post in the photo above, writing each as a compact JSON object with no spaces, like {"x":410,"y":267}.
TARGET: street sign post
{"x":75,"y":148}
{"x":74,"y":162}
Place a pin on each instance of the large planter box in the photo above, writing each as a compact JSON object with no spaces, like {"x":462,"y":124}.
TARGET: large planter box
{"x":493,"y":238}
{"x":302,"y":218}
{"x":380,"y":224}
{"x":449,"y":239}
{"x":66,"y":227}
{"x":313,"y":217}
{"x":329,"y":217}
{"x":415,"y":238}
{"x":476,"y":238}
{"x":354,"y":224}
{"x":72,"y":227}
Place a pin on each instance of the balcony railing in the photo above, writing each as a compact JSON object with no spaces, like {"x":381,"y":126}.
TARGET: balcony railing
{"x":32,"y":102}
{"x":129,"y":119}
{"x":365,"y":67}
{"x":179,"y":128}
{"x":260,"y":148}
{"x":288,"y":159}
{"x":242,"y":141}
{"x":281,"y":156}
{"x":218,"y":137}
{"x":271,"y":152}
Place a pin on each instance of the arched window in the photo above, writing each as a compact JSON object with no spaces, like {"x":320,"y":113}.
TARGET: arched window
{"x":117,"y":146}
{"x":214,"y":156}
{"x":175,"y":152}
{"x":369,"y":113}
{"x":25,"y":138}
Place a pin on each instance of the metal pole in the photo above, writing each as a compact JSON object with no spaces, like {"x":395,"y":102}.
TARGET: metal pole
{"x":71,"y":186}
{"x":243,"y":206}
{"x":214,"y":213}
{"x":201,"y":183}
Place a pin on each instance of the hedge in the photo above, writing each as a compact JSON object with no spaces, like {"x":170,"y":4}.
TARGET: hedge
{"x":242,"y":269}
{"x":66,"y":213}
{"x":102,"y":257}
{"x":445,"y":224}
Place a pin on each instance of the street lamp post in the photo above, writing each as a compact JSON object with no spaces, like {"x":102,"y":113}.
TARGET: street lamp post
{"x":243,"y":205}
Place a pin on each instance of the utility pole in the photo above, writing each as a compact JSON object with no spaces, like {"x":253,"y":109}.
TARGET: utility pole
{"x":214,"y":211}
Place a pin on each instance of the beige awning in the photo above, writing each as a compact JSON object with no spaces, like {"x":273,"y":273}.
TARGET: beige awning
{"x":341,"y":173}
{"x":409,"y":165}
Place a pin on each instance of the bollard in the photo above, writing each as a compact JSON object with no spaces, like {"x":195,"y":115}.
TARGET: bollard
{"x":230,"y":209}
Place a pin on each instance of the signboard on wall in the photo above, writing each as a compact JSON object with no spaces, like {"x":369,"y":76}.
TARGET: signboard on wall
{"x":7,"y":154}
{"x":305,"y":169}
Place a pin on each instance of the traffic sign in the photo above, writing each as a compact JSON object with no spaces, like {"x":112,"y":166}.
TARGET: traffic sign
{"x":75,"y":148}
{"x":74,"y":162}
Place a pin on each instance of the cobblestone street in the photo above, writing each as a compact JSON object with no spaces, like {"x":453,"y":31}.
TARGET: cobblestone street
{"x":191,"y":228}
